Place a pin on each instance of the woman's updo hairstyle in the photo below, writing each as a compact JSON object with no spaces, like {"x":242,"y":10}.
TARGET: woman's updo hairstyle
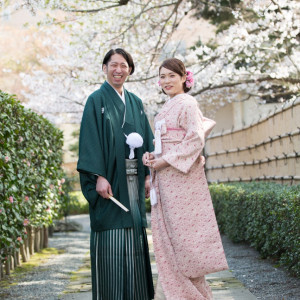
{"x":177,"y":66}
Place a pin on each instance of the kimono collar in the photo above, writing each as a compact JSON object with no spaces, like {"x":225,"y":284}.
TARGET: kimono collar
{"x":124,"y":114}
{"x":169,"y":104}
{"x":121,"y":96}
{"x":113,"y":96}
{"x":175,"y":97}
{"x":129,"y":117}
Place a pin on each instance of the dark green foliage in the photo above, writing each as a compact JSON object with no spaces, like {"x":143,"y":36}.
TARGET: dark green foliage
{"x":31,"y":178}
{"x":219,"y":12}
{"x":68,"y":198}
{"x":78,"y":204}
{"x":266,"y":215}
{"x":75,"y":147}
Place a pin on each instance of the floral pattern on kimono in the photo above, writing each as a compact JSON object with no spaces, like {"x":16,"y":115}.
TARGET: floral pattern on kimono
{"x":186,"y":238}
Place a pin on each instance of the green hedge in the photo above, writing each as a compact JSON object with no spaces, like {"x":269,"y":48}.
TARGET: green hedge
{"x":78,"y":204}
{"x":31,"y":177}
{"x":266,"y":215}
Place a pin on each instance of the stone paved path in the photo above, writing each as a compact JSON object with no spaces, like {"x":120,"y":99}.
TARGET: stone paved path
{"x":66,"y":274}
{"x":224,"y":285}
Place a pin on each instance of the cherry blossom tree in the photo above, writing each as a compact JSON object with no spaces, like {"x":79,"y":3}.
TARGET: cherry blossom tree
{"x":255,"y":55}
{"x":258,"y":56}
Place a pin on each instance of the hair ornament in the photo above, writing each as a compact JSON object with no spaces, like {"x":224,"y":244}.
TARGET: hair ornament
{"x":189,"y":79}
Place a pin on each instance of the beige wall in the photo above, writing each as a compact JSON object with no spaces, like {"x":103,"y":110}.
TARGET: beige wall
{"x":224,"y":118}
{"x":239,"y":114}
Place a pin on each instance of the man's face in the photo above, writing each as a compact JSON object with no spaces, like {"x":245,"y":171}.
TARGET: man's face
{"x":116,"y":70}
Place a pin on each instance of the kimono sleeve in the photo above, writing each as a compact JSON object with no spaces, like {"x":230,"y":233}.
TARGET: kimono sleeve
{"x":208,"y":126}
{"x":183,"y":155}
{"x":88,"y":186}
{"x":91,"y":153}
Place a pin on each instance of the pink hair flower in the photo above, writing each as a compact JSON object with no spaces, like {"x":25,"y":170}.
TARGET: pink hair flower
{"x":159,"y":83}
{"x":189,"y":79}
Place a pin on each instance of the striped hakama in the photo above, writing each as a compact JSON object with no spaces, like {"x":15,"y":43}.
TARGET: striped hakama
{"x":121,"y":268}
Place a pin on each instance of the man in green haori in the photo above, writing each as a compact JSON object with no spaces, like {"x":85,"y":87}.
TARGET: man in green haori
{"x":121,"y":268}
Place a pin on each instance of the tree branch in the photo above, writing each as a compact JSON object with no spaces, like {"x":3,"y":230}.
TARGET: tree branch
{"x":73,"y":101}
{"x":276,"y":95}
{"x":132,"y":23}
{"x":215,"y":5}
{"x":279,"y":8}
{"x":95,"y":10}
{"x":120,"y":3}
{"x":162,"y":30}
{"x":232,"y":84}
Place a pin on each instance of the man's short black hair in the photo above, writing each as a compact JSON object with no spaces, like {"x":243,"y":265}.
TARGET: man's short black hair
{"x":122,"y":52}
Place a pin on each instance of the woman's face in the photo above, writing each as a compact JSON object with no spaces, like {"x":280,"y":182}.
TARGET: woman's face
{"x":171,"y":82}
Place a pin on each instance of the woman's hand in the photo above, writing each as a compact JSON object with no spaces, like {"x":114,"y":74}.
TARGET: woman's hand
{"x":147,"y":186}
{"x":147,"y":157}
{"x":157,"y":164}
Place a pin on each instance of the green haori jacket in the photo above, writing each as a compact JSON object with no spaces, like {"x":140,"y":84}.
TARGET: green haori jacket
{"x":102,"y":152}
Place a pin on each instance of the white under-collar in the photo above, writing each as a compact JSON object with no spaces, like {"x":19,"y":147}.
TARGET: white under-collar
{"x":175,"y":97}
{"x":121,"y":96}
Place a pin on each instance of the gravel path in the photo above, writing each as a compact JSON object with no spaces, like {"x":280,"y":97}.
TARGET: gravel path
{"x":259,"y":275}
{"x":50,"y":279}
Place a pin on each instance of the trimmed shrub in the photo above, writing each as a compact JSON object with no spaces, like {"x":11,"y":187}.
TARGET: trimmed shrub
{"x":31,"y":176}
{"x":78,"y":204}
{"x":266,"y":215}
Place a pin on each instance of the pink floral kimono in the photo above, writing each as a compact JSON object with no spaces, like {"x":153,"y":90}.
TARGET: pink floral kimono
{"x":186,"y":238}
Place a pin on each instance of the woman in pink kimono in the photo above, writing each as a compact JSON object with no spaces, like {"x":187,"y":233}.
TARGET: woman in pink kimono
{"x":186,"y":238}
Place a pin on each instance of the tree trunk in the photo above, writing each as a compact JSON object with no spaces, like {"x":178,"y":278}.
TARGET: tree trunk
{"x":31,"y":236}
{"x":23,"y":253}
{"x":12,"y":264}
{"x":18,"y":258}
{"x":37,"y":240}
{"x":7,"y":265}
{"x":42,"y":237}
{"x":27,"y":250}
{"x":1,"y":271}
{"x":50,"y":230}
{"x":45,"y":237}
{"x":15,"y":259}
